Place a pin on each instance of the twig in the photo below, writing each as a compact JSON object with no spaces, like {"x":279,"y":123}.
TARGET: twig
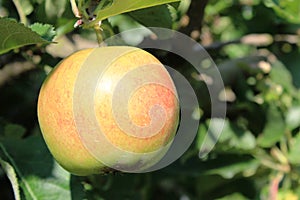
{"x":13,"y":70}
{"x":21,"y":13}
{"x":220,"y":45}
{"x":263,"y":39}
{"x":195,"y":14}
{"x":268,"y":161}
{"x":75,"y":9}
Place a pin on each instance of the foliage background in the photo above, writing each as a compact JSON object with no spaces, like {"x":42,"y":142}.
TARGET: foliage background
{"x":256,"y":46}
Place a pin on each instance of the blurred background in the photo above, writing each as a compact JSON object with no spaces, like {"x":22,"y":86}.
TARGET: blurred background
{"x":256,"y":46}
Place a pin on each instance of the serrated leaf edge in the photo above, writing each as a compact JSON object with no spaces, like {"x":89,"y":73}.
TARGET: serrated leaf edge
{"x":2,"y":51}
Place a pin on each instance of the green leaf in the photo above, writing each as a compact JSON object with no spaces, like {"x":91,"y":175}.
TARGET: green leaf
{"x":274,"y":128}
{"x":125,"y":22}
{"x":291,"y":60}
{"x":232,"y":137}
{"x":233,"y":166}
{"x":294,"y":152}
{"x":287,"y":10}
{"x":138,"y":21}
{"x":233,"y":196}
{"x":282,"y":76}
{"x":225,"y":164}
{"x":236,"y":137}
{"x":14,"y":131}
{"x":11,"y":174}
{"x":208,"y":137}
{"x":40,"y":177}
{"x":15,"y":35}
{"x":158,"y":16}
{"x":46,"y":31}
{"x":293,"y":117}
{"x":123,"y":6}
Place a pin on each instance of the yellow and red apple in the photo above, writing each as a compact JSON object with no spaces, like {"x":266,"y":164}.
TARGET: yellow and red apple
{"x":64,"y":105}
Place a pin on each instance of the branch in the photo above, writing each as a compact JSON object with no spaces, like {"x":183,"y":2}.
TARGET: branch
{"x":195,"y":15}
{"x":75,"y":9}
{"x":263,"y":39}
{"x":13,"y":70}
{"x":21,"y":13}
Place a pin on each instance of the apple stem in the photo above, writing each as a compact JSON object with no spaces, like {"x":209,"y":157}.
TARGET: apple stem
{"x":99,"y":36}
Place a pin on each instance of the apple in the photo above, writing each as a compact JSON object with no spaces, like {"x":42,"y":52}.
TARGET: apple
{"x":108,"y":108}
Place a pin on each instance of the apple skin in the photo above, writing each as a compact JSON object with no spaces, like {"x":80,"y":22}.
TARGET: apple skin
{"x":58,"y":121}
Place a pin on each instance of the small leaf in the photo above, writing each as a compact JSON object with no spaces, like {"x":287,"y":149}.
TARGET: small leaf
{"x":123,"y":6}
{"x":15,"y":35}
{"x":274,"y":128}
{"x":11,"y":174}
{"x":282,"y":76}
{"x":46,"y":31}
{"x":233,"y":166}
{"x":14,"y":131}
{"x":294,"y":152}
{"x":232,"y":137}
{"x":233,"y":196}
{"x":287,"y":10}
{"x":207,"y":139}
{"x":293,"y":117}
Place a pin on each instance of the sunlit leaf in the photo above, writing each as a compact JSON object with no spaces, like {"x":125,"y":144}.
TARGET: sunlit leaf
{"x":231,"y":136}
{"x":293,"y":117}
{"x":287,"y":10}
{"x":46,"y":31}
{"x":282,"y":76}
{"x":233,"y":196}
{"x":123,"y":6}
{"x":294,"y":152}
{"x":232,"y":168}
